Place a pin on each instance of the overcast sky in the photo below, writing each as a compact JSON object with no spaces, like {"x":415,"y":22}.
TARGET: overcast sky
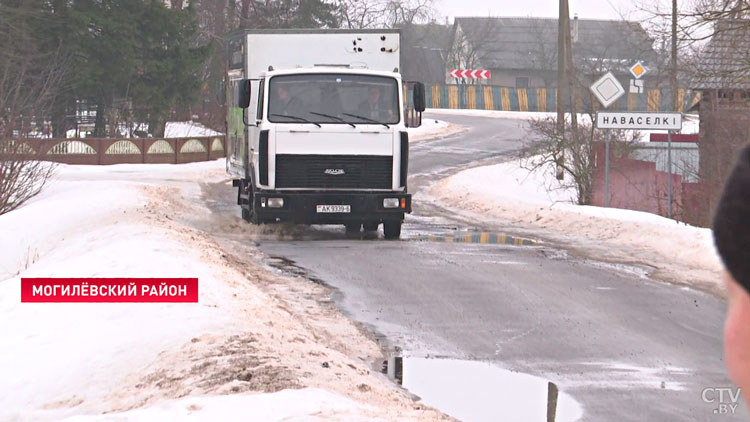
{"x":586,"y":9}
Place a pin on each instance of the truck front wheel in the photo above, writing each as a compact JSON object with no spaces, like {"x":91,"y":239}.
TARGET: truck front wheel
{"x":353,"y":228}
{"x":371,"y":226}
{"x":392,"y":229}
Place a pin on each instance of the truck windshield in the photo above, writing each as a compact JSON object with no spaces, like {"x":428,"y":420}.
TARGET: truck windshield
{"x":341,"y":96}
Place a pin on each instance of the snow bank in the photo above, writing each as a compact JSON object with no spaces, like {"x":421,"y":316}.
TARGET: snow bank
{"x":251,"y":331}
{"x":507,"y":194}
{"x":432,"y":129}
{"x":307,"y":404}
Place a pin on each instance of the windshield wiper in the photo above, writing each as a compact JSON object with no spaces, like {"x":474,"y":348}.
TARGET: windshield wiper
{"x":330,"y":116}
{"x":297,"y":118}
{"x":367,"y":119}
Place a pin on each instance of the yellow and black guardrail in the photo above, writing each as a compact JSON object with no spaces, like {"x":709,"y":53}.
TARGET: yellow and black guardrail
{"x":490,"y":97}
{"x":479,"y":237}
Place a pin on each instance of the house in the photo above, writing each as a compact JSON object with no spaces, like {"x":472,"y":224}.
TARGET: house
{"x":423,"y":52}
{"x":522,"y":52}
{"x":723,"y":78}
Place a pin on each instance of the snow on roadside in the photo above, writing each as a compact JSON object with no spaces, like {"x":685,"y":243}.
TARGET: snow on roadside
{"x":499,"y":114}
{"x":432,"y":129}
{"x":288,"y":405}
{"x":690,"y":122}
{"x":252,"y":330}
{"x":508,"y":194}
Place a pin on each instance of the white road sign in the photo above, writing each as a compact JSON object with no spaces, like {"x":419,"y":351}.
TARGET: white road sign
{"x":636,"y":86}
{"x":646,"y":121}
{"x":607,"y":89}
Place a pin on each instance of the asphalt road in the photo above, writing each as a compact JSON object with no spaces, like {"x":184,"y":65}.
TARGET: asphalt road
{"x":625,"y":347}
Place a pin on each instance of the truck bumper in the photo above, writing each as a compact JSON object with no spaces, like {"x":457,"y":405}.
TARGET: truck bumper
{"x":301,"y":207}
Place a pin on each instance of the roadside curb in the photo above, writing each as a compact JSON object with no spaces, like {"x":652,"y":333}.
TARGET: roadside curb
{"x":479,"y":237}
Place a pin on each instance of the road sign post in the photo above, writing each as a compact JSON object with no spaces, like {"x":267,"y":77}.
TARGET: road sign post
{"x":608,"y":120}
{"x":606,"y":167}
{"x":669,"y":174}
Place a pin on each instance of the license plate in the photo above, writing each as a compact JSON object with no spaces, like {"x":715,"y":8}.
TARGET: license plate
{"x":334,"y":208}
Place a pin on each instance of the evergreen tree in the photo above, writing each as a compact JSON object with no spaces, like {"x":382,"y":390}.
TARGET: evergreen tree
{"x":169,"y":63}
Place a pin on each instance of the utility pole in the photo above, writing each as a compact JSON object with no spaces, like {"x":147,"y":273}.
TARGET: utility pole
{"x":560,"y":104}
{"x":560,"y":101}
{"x":572,"y":80}
{"x":673,"y":73}
{"x":675,"y":106}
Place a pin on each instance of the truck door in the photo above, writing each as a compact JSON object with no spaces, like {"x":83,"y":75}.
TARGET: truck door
{"x":254,"y":119}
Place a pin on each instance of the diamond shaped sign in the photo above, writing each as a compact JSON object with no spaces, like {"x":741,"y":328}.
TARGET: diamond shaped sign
{"x":638,"y":70}
{"x":607,"y":89}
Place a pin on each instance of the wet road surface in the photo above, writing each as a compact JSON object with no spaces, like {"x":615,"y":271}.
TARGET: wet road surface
{"x":625,"y":347}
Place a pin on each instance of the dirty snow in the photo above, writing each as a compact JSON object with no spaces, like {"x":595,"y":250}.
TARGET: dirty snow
{"x":288,"y":405}
{"x":253,"y":330}
{"x":509,"y":195}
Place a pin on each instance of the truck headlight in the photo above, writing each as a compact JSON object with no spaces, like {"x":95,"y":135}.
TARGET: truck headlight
{"x":390,"y":203}
{"x":275,"y":202}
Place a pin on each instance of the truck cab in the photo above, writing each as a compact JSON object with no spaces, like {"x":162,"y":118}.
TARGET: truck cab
{"x":323,"y":140}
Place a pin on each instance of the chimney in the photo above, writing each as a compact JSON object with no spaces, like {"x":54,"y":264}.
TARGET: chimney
{"x":574,"y":30}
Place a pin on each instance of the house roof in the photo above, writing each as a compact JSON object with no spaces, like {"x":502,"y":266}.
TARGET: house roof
{"x":531,"y":43}
{"x":724,"y":62}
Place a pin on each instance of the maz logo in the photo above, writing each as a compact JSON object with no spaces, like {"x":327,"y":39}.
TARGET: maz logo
{"x":334,"y":172}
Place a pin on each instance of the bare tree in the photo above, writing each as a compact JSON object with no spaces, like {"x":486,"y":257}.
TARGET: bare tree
{"x":29,"y":82}
{"x":359,"y":14}
{"x":543,"y":151}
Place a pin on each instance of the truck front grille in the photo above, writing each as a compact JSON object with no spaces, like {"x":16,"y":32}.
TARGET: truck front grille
{"x":334,"y":171}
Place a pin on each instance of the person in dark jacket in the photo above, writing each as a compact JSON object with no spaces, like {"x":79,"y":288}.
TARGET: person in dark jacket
{"x":374,"y":108}
{"x":732,"y":237}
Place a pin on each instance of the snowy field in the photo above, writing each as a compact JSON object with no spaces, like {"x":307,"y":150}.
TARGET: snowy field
{"x":255,"y":335}
{"x":509,"y":195}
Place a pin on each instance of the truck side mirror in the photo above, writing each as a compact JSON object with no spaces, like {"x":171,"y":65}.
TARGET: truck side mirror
{"x":243,"y":96}
{"x":419,"y":96}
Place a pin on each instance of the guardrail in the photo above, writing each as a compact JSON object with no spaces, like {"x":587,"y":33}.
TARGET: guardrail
{"x":490,"y":97}
{"x":103,"y":151}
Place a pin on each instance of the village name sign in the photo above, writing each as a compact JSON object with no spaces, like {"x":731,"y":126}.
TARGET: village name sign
{"x":646,"y":121}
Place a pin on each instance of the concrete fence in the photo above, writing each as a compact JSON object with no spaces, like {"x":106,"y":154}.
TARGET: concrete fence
{"x":125,"y":150}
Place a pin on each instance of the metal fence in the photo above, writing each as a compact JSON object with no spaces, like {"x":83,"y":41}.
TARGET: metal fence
{"x":120,"y":151}
{"x":685,"y":158}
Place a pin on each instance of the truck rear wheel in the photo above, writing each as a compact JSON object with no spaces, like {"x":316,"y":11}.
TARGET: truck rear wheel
{"x":392,"y":229}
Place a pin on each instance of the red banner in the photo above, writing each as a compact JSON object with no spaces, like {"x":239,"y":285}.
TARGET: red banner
{"x":57,"y":290}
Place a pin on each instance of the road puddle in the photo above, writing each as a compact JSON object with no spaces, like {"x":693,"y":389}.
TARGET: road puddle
{"x":473,"y":391}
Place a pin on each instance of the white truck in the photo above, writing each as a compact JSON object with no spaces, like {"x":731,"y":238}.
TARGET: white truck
{"x":316,"y":127}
